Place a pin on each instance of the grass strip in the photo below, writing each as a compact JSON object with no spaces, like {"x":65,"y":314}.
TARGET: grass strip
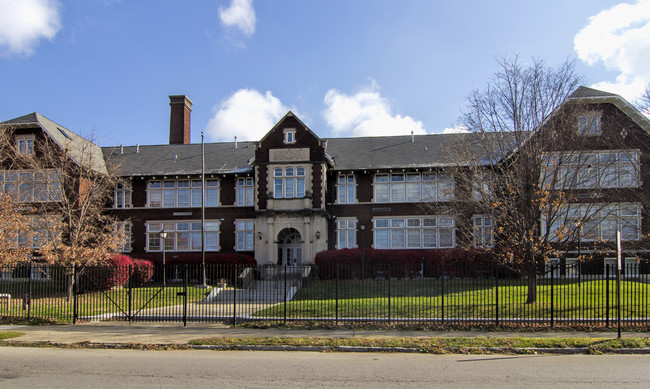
{"x":439,"y":345}
{"x":9,"y":334}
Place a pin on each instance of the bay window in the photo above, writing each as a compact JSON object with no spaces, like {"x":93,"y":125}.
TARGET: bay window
{"x":289,"y":182}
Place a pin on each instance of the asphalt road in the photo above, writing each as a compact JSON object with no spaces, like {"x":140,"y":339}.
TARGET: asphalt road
{"x":66,"y":368}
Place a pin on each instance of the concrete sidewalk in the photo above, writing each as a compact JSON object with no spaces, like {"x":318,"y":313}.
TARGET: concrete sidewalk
{"x":174,"y":333}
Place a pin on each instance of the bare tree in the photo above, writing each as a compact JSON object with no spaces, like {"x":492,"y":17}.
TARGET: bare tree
{"x":530,"y":169}
{"x":63,"y":187}
{"x":644,"y":100}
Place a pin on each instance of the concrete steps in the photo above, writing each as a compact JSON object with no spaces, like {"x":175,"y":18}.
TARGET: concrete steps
{"x":262,"y":291}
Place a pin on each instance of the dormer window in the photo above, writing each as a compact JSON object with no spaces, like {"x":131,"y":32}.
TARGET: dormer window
{"x":289,"y":135}
{"x":25,"y":144}
{"x":589,"y":124}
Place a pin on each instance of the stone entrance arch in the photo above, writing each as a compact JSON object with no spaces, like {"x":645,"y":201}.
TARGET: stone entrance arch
{"x":290,"y":247}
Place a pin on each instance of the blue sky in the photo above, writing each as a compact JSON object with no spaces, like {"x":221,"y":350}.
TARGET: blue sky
{"x":347,"y":68}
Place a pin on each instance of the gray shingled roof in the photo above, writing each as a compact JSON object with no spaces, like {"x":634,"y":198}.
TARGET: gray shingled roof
{"x":158,"y":160}
{"x":223,"y":158}
{"x":387,"y":152}
{"x":584,"y":91}
{"x":82,"y":151}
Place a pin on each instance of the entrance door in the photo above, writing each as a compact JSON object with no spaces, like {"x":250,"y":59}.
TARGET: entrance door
{"x":289,"y":247}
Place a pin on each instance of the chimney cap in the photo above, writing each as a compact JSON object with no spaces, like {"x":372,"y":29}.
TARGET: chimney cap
{"x":179,"y":99}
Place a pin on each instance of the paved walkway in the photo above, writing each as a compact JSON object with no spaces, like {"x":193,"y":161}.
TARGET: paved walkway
{"x":174,"y":333}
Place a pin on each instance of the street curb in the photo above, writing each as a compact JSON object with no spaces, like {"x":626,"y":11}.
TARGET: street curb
{"x":355,"y":349}
{"x":348,"y":349}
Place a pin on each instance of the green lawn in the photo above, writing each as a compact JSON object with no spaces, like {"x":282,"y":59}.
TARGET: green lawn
{"x":463,"y":298}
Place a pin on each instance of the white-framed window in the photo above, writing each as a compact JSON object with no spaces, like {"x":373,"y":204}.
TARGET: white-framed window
{"x":123,"y":232}
{"x":25,"y":144}
{"x":589,"y":124}
{"x":182,"y":235}
{"x":289,"y":135}
{"x":245,"y":191}
{"x":181,"y":193}
{"x":289,"y":182}
{"x":32,"y":186}
{"x":413,"y":187}
{"x":346,"y":233}
{"x":596,"y":222}
{"x":483,"y":231}
{"x":122,"y":195}
{"x":587,"y":170}
{"x":572,"y":268}
{"x":42,"y":230}
{"x":552,"y":267}
{"x":482,"y":186}
{"x":414,"y":232}
{"x":40,"y":273}
{"x":630,"y":267}
{"x":346,"y":189}
{"x":244,"y":235}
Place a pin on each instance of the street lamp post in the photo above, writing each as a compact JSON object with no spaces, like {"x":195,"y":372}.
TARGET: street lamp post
{"x":363,"y":251}
{"x":163,"y":235}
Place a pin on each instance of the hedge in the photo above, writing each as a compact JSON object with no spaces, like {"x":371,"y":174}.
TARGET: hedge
{"x":195,"y":259}
{"x":457,"y":262}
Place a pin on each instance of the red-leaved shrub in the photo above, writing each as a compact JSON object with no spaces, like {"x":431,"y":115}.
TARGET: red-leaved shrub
{"x":115,"y":272}
{"x":142,"y":272}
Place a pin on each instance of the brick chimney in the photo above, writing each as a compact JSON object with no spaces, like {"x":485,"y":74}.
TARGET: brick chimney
{"x":179,"y":119}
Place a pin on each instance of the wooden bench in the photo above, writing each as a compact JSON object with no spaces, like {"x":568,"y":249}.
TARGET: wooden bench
{"x":6,"y":297}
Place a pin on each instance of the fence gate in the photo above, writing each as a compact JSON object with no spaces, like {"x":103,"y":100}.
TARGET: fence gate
{"x":116,"y":293}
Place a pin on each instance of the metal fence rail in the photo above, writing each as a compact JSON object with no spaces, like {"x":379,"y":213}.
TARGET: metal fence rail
{"x":572,"y":295}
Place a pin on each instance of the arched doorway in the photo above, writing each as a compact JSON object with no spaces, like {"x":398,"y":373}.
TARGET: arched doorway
{"x":289,"y":247}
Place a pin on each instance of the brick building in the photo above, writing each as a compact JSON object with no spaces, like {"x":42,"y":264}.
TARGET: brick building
{"x":292,"y":194}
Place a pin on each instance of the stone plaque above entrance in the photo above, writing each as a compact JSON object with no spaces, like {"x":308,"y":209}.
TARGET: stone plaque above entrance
{"x":289,"y":155}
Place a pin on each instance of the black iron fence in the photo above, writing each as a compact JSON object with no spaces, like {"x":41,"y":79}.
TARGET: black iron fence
{"x":565,"y":294}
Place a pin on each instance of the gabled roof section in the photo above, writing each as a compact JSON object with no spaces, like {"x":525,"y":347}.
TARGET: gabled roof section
{"x":584,"y":91}
{"x":161,"y":160}
{"x":586,"y":95}
{"x":82,"y":151}
{"x":289,"y":114}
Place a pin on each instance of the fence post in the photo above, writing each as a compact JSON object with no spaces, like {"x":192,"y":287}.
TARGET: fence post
{"x":336,"y":306}
{"x":29,"y":292}
{"x":130,"y":291}
{"x":552,"y":294}
{"x":234,"y":299}
{"x":496,"y":282}
{"x":389,"y":277}
{"x":618,"y":298}
{"x":75,"y":292}
{"x":285,"y":295}
{"x":607,"y":295}
{"x":442,"y":294}
{"x":185,"y":276}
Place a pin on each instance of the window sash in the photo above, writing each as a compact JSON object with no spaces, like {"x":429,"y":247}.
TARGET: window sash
{"x":413,"y":187}
{"x":414,"y":233}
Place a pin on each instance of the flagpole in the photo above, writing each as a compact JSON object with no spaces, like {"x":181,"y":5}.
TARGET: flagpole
{"x":203,"y":209}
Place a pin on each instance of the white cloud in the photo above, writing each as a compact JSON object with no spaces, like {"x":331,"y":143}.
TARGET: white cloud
{"x":247,"y":114}
{"x":619,"y":38}
{"x":240,"y":15}
{"x":365,"y":113}
{"x":458,"y":129}
{"x":24,"y":22}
